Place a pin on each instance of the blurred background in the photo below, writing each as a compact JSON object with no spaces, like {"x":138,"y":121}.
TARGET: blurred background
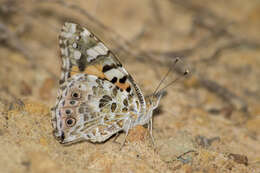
{"x":208,"y":121}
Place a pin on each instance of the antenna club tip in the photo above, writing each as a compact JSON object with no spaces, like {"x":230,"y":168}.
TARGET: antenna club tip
{"x":177,"y":59}
{"x":186,"y":72}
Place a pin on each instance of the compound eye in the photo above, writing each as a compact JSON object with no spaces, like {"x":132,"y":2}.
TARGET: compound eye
{"x":75,"y":95}
{"x":70,"y":121}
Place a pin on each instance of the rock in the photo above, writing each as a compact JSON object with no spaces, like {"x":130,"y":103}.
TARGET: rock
{"x":171,"y":149}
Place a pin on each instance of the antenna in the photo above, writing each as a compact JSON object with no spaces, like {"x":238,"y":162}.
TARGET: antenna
{"x":166,"y":75}
{"x":186,"y":72}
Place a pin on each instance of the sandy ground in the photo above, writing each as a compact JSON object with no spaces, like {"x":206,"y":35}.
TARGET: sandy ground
{"x":206,"y":122}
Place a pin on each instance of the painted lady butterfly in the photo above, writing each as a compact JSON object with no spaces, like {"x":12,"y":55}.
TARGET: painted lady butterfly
{"x":97,"y":97}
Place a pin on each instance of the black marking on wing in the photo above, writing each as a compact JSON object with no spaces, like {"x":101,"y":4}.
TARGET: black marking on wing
{"x":108,"y":67}
{"x":128,"y":89}
{"x":61,"y":81}
{"x":82,"y":62}
{"x":123,"y":79}
{"x":113,"y":107}
{"x":114,"y":80}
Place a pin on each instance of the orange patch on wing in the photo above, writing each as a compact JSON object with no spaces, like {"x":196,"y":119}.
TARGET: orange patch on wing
{"x":74,"y":70}
{"x":95,"y":70}
{"x":122,"y":85}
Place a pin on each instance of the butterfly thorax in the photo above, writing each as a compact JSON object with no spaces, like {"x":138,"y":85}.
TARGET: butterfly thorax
{"x":152,"y":102}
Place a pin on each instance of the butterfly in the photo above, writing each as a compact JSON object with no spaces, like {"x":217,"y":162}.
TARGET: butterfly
{"x":97,"y":97}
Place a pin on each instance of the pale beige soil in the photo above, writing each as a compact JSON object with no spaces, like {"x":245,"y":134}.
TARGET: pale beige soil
{"x":207,"y":122}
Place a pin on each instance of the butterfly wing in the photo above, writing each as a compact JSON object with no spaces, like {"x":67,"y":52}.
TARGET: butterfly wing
{"x":109,"y":96}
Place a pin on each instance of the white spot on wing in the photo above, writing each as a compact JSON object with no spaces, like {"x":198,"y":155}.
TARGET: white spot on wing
{"x":90,"y":58}
{"x":123,"y":70}
{"x":69,"y":30}
{"x":64,"y":51}
{"x":74,"y":45}
{"x":66,"y":75}
{"x":92,"y":52}
{"x":66,"y":34}
{"x":63,"y":63}
{"x":71,"y":27}
{"x":62,"y":75}
{"x":102,"y":46}
{"x":77,"y":54}
{"x":83,"y":87}
{"x":97,"y":50}
{"x":114,"y":73}
{"x":85,"y":33}
{"x":67,"y":63}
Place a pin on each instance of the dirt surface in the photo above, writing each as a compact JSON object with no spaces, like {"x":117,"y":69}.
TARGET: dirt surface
{"x":208,"y":121}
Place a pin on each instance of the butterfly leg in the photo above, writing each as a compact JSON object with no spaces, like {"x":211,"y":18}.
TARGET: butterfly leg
{"x":150,"y":128}
{"x":115,"y":138}
{"x":127,"y":131}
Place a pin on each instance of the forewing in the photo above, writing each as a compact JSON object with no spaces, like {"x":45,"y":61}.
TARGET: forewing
{"x":82,"y":52}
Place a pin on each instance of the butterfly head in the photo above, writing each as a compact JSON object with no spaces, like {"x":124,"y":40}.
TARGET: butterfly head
{"x":152,"y":101}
